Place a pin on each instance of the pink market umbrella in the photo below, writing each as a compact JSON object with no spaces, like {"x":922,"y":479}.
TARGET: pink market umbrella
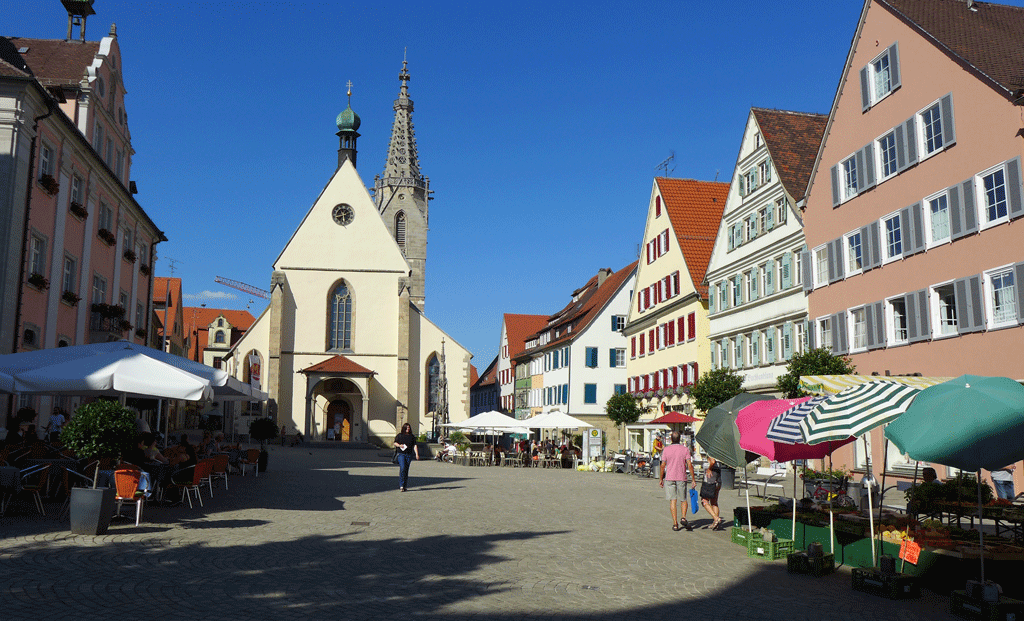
{"x":753,"y":422}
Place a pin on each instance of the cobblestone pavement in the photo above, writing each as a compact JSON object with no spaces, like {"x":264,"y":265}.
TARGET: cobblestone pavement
{"x":325,"y":534}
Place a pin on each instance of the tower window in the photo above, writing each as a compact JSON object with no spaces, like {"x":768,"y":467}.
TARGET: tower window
{"x":219,"y":337}
{"x":400,"y":230}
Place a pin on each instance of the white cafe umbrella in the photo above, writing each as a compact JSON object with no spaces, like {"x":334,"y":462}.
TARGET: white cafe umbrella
{"x":486,"y":420}
{"x":555,"y":419}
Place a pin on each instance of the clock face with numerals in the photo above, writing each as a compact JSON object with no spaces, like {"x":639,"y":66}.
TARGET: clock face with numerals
{"x":343,"y":214}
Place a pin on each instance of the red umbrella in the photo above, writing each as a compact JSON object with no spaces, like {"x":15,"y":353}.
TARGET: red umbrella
{"x":674,"y":418}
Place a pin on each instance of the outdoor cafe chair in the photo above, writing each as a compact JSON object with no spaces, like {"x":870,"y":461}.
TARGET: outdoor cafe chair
{"x":33,"y":479}
{"x":199,"y":472}
{"x":208,"y":466}
{"x":250,"y":460}
{"x":127,"y":484}
{"x":10,"y":483}
{"x":220,"y":469}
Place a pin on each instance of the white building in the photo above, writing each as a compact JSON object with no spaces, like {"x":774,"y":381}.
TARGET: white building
{"x":757,"y":306}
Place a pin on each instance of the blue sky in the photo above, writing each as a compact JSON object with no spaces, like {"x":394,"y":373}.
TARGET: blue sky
{"x":540,"y":125}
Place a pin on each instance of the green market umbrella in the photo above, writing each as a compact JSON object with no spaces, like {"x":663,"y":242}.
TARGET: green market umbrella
{"x":857,"y":410}
{"x":718,"y":434}
{"x":971,"y":423}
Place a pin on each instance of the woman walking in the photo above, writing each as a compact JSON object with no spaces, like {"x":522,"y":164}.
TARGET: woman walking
{"x":405,"y":442}
{"x":709,"y":491}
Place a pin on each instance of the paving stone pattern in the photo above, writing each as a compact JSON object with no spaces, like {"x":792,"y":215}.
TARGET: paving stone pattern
{"x":325,"y":534}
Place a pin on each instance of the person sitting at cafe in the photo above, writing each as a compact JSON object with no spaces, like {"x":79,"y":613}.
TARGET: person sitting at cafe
{"x":206,"y":445}
{"x":137,"y":454}
{"x":152,"y":452}
{"x":928,"y":475}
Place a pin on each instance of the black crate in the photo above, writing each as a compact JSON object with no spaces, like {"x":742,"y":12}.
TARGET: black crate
{"x":1006,"y":609}
{"x":802,"y":563}
{"x":899,"y":586}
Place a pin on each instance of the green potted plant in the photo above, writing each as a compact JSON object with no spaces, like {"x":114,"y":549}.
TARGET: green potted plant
{"x":101,"y":429}
{"x":38,"y":281}
{"x":261,"y":430}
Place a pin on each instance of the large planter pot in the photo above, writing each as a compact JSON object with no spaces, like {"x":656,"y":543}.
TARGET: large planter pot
{"x":261,"y":464}
{"x":91,"y":510}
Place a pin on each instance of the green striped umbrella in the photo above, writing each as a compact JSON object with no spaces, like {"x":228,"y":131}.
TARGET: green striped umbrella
{"x":856,"y":411}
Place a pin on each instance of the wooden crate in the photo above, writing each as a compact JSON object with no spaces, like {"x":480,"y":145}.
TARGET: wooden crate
{"x":899,"y":586}
{"x":1006,"y":609}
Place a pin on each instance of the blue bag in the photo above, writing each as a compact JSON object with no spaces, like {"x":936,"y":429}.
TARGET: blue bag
{"x":694,"y":501}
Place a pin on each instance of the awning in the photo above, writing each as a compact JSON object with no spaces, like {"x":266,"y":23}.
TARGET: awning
{"x":831,"y":384}
{"x":649,"y":426}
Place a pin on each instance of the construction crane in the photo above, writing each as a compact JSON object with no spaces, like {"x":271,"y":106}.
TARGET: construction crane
{"x":241,"y":286}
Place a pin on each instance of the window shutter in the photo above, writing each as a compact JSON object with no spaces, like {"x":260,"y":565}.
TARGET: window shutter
{"x":901,"y":147}
{"x":632,"y":345}
{"x":869,"y":326}
{"x":866,"y":171}
{"x":969,"y":305}
{"x":835,"y":186}
{"x":831,"y":262}
{"x":675,"y":377}
{"x":675,"y":283}
{"x":695,"y":374}
{"x":665,"y":249}
{"x":756,"y":358}
{"x":741,"y":341}
{"x":913,"y":321}
{"x":647,"y":297}
{"x":894,"y":66}
{"x":910,"y":126}
{"x":876,"y":243}
{"x":807,"y":269}
{"x":691,"y":326}
{"x":743,"y":186}
{"x":948,"y":126}
{"x":650,"y":341}
{"x":755,"y":179}
{"x":611,"y":358}
{"x":770,"y":346}
{"x":865,"y":250}
{"x":726,"y":352}
{"x":906,"y":232}
{"x":648,"y":253}
{"x":657,"y":206}
{"x":769,"y":277}
{"x":787,"y":340}
{"x":917,"y":227}
{"x":771,"y":218}
{"x":714,"y":355}
{"x":968,"y":211}
{"x":1018,"y":282}
{"x":865,"y":93}
{"x":712,"y":290}
{"x":879,"y":312}
{"x":840,"y":342}
{"x":1014,"y":192}
{"x":809,"y":330}
{"x":753,"y":284}
{"x":923,"y":314}
{"x":787,"y":271}
{"x":862,"y":181}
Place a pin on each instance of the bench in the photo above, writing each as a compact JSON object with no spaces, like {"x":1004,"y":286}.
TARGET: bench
{"x":770,"y":478}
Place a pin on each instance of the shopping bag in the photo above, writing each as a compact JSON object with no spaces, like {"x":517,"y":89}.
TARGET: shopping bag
{"x":694,"y":501}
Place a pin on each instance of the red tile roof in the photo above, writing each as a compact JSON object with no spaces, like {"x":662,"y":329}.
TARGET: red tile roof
{"x":989,"y":38}
{"x":489,"y":376}
{"x":239,"y":319}
{"x":518,"y":327}
{"x":160,"y":291}
{"x":695,"y":209}
{"x":339,"y":364}
{"x":793,"y":139}
{"x":580,"y":313}
{"x":55,"y":61}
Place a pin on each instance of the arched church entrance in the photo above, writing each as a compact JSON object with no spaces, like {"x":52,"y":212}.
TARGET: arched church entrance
{"x":339,"y":420}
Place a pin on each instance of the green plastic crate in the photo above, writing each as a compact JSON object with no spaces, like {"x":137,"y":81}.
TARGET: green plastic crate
{"x":771,"y":550}
{"x":800,"y":563}
{"x":742,"y":536}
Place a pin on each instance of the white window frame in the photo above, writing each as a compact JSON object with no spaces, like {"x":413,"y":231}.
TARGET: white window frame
{"x":981,"y":197}
{"x":848,"y":178}
{"x":990,"y":277}
{"x":857,"y":317}
{"x":69,"y":274}
{"x":37,"y":254}
{"x":762,"y":220}
{"x":939,"y":312}
{"x":820,"y":271}
{"x":893,"y":338}
{"x":76,"y":190}
{"x":823,"y":327}
{"x":106,"y":219}
{"x":923,"y":127}
{"x":873,"y":76}
{"x":46,"y":155}
{"x":887,"y":256}
{"x":798,"y":268}
{"x":799,"y":340}
{"x":737,"y":350}
{"x":764,"y":170}
{"x":99,"y":289}
{"x":880,"y":152}
{"x":620,"y":357}
{"x":781,"y":207}
{"x":926,"y":209}
{"x":762,"y":279}
{"x":848,"y":254}
{"x":747,"y":278}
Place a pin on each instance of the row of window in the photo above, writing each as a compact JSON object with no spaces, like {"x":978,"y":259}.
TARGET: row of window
{"x":758,"y":223}
{"x":987,"y":301}
{"x":755,"y":177}
{"x":759,"y":347}
{"x":773,"y":275}
{"x":657,"y":247}
{"x":664,"y":379}
{"x":616,"y":357}
{"x":674,"y":332}
{"x":654,"y":294}
{"x":990,"y":198}
{"x":926,"y":133}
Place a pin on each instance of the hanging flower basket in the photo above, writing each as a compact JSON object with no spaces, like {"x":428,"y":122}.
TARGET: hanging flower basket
{"x":78,"y":210}
{"x":130,"y":256}
{"x":38,"y":281}
{"x":106,"y":236}
{"x":145,"y":270}
{"x":109,"y":311}
{"x":49,"y":184}
{"x":70,"y":297}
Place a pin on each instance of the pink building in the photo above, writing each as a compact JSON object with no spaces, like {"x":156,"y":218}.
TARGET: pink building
{"x":912,"y":213}
{"x":76,"y":262}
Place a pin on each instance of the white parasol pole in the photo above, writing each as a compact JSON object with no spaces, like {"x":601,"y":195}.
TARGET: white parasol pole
{"x":981,"y":531}
{"x":871,"y":525}
{"x":831,"y":532}
{"x":750,"y":521}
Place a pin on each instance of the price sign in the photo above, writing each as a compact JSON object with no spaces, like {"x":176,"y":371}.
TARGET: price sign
{"x":910,"y":551}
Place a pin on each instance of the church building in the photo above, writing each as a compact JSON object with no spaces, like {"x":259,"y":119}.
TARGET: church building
{"x":344,"y":344}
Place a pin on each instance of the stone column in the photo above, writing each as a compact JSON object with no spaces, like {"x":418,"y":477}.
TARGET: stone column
{"x":273,"y":370}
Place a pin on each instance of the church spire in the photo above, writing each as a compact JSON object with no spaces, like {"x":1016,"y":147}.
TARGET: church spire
{"x":347,"y":122}
{"x":402,"y":192}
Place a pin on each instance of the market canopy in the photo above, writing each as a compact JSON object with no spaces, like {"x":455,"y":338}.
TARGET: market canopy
{"x":674,"y":418}
{"x":786,"y":428}
{"x":832,"y":384}
{"x":753,"y":422}
{"x":857,"y":410}
{"x":720,"y":437}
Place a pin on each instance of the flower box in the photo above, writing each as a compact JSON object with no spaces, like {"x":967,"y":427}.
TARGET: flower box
{"x":130,"y":256}
{"x":141,"y":333}
{"x":78,"y":210}
{"x":145,"y":270}
{"x":108,"y":311}
{"x":125,"y":325}
{"x":106,"y":236}
{"x":49,"y":184}
{"x":38,"y":281}
{"x":70,"y":297}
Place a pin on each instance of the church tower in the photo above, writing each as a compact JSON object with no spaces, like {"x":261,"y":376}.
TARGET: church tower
{"x":348,"y":123}
{"x":401,"y":192}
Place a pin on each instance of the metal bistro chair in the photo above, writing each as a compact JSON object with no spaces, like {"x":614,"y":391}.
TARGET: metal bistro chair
{"x":199,"y":472}
{"x":250,"y":460}
{"x":220,"y":469}
{"x":33,"y":480}
{"x":208,"y":467}
{"x":127,"y":483}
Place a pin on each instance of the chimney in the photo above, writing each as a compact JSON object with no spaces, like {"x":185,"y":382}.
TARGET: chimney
{"x":602,"y":275}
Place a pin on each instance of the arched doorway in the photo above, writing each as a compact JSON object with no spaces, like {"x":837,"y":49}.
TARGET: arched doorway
{"x":339,"y":419}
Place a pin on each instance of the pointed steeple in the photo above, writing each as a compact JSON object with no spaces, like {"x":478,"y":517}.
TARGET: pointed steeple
{"x":348,"y":123}
{"x":402,"y":192}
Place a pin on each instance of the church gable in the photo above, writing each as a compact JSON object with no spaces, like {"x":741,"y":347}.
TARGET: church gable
{"x":343,"y":230}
